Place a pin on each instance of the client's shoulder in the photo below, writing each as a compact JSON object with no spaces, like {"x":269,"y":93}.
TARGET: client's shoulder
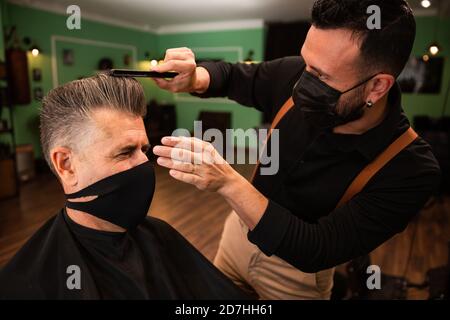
{"x":157,"y":225}
{"x":37,"y":246}
{"x":22,"y":267}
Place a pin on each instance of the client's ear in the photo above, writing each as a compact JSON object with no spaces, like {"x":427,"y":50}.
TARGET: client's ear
{"x":62,"y":159}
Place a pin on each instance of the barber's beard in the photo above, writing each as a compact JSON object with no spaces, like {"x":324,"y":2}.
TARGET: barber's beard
{"x":351,"y":107}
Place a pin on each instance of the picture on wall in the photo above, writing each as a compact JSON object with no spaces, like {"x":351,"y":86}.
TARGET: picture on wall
{"x":420,"y":76}
{"x":38,"y":94}
{"x":127,"y":59}
{"x":105,"y":64}
{"x":68,"y":57}
{"x":37,"y":74}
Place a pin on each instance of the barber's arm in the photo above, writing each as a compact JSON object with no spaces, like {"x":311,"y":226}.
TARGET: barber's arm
{"x":383,"y":209}
{"x":262,"y":86}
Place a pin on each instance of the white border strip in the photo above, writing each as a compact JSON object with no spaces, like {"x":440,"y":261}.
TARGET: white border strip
{"x":89,"y":42}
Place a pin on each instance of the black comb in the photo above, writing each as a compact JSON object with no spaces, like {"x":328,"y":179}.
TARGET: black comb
{"x":141,"y":74}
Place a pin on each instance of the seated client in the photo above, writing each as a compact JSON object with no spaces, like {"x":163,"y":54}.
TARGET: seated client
{"x":101,"y":244}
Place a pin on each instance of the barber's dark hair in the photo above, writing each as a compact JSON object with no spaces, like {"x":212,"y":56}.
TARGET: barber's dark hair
{"x":386,"y":49}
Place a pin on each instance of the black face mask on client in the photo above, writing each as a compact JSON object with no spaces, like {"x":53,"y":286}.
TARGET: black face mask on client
{"x":123,"y":198}
{"x":318,"y":102}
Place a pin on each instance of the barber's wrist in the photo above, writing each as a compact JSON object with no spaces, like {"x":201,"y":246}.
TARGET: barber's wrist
{"x":201,"y":81}
{"x":233,"y":183}
{"x":245,"y":200}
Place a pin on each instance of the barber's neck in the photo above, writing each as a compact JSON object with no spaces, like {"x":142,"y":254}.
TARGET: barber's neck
{"x":372,"y":117}
{"x":89,"y":221}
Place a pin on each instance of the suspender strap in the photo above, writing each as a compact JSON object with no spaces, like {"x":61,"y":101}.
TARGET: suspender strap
{"x":379,"y":162}
{"x":280,"y":114}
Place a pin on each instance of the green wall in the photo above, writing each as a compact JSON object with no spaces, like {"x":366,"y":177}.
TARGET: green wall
{"x":430,"y":104}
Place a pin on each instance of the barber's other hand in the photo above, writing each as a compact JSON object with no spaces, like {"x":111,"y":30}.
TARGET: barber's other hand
{"x":190,"y":78}
{"x":196,"y":162}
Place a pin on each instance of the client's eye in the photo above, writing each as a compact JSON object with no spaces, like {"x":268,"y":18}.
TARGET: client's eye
{"x":125,"y":154}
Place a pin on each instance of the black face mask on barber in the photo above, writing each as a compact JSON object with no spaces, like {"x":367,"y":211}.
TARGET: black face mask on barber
{"x":123,"y":198}
{"x":318,"y":102}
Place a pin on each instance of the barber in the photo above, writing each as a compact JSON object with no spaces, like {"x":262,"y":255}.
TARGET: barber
{"x":352,"y":172}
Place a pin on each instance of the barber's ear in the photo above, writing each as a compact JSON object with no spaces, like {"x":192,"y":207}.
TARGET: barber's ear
{"x":380,"y":86}
{"x":63,"y":162}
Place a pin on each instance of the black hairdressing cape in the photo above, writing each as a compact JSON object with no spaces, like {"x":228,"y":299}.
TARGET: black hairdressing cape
{"x":64,"y":260}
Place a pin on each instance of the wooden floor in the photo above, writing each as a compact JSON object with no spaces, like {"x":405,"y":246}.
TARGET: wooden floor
{"x":200,"y":215}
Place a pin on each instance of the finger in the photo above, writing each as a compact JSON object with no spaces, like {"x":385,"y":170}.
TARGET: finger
{"x":185,"y":177}
{"x":163,"y":84}
{"x":176,"y":65}
{"x":178,"y":55}
{"x":172,"y":85}
{"x":208,"y":153}
{"x":182,"y":49}
{"x":186,"y":52}
{"x":177,"y":154}
{"x":195,"y":145}
{"x":178,"y":49}
{"x":188,"y":143}
{"x":175,"y":54}
{"x":178,"y":165}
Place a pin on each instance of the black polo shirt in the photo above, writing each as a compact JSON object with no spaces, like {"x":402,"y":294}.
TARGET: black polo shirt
{"x":301,"y":224}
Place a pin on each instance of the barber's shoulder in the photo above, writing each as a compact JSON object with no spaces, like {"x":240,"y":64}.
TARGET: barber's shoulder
{"x":289,"y":63}
{"x":415,"y":166}
{"x":297,"y":61}
{"x":421,"y":155}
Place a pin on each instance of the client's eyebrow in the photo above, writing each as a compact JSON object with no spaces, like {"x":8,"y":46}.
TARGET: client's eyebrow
{"x":127,"y":149}
{"x":132,"y":148}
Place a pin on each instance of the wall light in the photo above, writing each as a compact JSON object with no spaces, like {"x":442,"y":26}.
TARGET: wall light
{"x":433,"y":49}
{"x":35,"y":51}
{"x":425,"y":3}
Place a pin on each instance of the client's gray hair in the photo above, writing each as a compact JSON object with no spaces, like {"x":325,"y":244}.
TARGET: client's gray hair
{"x":66,"y":109}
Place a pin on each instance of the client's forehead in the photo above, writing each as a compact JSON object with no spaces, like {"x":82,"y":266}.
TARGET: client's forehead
{"x":116,"y":126}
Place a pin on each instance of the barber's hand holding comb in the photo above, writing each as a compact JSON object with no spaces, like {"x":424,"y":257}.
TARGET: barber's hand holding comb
{"x":190,"y":78}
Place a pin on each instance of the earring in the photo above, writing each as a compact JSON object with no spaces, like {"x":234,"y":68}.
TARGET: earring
{"x":369,"y":104}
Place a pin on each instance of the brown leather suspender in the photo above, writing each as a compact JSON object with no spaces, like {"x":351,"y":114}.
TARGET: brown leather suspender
{"x":379,"y":162}
{"x":370,"y":170}
{"x":280,"y":114}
